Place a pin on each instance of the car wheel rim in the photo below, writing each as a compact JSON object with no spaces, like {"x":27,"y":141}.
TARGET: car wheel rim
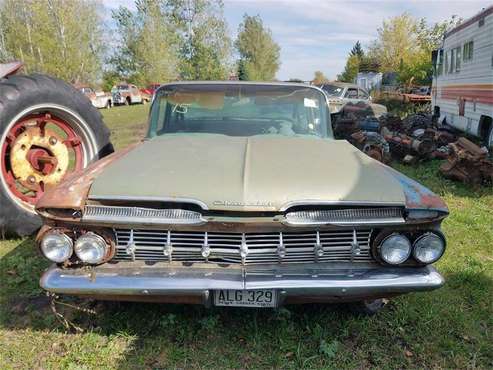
{"x":39,"y":148}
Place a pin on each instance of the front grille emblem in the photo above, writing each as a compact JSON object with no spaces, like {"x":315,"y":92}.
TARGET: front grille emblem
{"x":281,"y":248}
{"x":206,"y":250}
{"x":131,"y":247}
{"x":243,"y":249}
{"x":355,"y":248}
{"x":168,"y":248}
{"x":318,"y":248}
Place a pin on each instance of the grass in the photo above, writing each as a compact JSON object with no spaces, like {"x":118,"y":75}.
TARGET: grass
{"x":127,"y":123}
{"x":448,"y":328}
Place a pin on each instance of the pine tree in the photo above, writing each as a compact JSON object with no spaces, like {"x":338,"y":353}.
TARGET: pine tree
{"x":357,"y":50}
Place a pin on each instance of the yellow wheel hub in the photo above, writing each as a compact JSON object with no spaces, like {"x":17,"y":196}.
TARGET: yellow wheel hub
{"x":39,"y":156}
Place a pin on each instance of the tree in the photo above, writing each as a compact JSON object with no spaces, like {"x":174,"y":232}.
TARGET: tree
{"x":149,"y":45}
{"x":357,"y":50}
{"x":57,"y":37}
{"x":205,"y":50}
{"x":350,"y":70}
{"x":319,"y":78}
{"x":110,"y":79}
{"x":352,"y":67}
{"x":404,"y":45}
{"x":396,"y":42}
{"x":259,"y":53}
{"x":368,"y":63}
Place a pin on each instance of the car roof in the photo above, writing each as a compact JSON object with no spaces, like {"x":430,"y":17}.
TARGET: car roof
{"x":232,"y":83}
{"x":229,"y":82}
{"x":340,"y":84}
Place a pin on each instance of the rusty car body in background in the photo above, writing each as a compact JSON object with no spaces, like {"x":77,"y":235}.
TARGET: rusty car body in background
{"x":218,"y":209}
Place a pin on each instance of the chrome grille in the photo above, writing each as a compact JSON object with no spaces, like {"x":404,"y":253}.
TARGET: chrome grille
{"x":248,"y":248}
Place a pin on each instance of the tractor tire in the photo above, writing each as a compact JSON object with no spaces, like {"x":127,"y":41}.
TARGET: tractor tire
{"x":47,"y":130}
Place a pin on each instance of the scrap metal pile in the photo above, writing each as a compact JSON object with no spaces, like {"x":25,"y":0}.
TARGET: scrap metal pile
{"x":414,"y":139}
{"x":468,"y":163}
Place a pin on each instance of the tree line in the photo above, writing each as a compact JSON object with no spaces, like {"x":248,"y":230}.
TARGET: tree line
{"x":403,"y":46}
{"x":158,"y":41}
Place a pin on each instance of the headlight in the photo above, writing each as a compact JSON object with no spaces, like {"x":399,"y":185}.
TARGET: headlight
{"x":395,"y":249}
{"x":91,"y":248}
{"x":57,"y":247}
{"x":428,"y":248}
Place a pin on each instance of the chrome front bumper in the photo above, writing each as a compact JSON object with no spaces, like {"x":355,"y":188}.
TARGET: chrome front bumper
{"x":295,"y":284}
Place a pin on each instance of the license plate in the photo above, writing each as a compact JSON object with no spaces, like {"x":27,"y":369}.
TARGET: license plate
{"x":246,"y":298}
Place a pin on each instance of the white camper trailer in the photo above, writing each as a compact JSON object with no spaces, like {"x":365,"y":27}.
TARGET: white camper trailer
{"x":462,"y":91}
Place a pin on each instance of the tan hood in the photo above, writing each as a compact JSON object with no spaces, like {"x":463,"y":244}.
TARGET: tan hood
{"x":260,"y":173}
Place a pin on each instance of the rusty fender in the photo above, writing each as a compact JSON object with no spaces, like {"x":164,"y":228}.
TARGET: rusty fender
{"x":72,"y":192}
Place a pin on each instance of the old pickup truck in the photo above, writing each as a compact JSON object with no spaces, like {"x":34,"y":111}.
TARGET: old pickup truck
{"x":240,"y":196}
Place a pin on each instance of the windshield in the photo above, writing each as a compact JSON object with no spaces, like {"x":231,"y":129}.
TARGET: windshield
{"x":239,"y":110}
{"x":333,"y":90}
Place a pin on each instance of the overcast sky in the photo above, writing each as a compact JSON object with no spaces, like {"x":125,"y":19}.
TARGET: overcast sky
{"x":318,"y":34}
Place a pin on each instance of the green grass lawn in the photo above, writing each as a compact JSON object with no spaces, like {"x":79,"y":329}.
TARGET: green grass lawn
{"x":448,"y":328}
{"x":127,"y":123}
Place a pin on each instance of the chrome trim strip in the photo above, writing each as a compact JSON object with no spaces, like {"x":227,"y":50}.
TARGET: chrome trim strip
{"x":149,"y":199}
{"x":309,"y":202}
{"x":139,"y":215}
{"x":126,"y":279}
{"x":349,"y":216}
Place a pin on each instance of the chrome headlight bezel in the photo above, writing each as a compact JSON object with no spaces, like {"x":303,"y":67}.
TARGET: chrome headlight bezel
{"x":63,"y":238}
{"x":102,"y":248}
{"x":421,"y":239}
{"x":404,"y":257}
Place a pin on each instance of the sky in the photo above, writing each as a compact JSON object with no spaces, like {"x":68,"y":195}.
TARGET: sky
{"x":318,"y":34}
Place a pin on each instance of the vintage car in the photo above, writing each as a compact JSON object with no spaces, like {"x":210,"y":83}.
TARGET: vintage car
{"x":341,"y":93}
{"x":99,"y":99}
{"x":240,"y":196}
{"x":127,"y":94}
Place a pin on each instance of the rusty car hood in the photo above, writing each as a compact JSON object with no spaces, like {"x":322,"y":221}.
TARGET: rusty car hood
{"x":258,"y":173}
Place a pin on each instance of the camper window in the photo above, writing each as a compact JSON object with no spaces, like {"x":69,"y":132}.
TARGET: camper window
{"x":452,"y":61}
{"x":468,"y":51}
{"x":446,"y":62}
{"x":457,"y":59}
{"x":440,"y":62}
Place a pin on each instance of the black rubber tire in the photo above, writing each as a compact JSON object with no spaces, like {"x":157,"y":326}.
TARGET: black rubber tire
{"x":18,"y":93}
{"x":368,"y":308}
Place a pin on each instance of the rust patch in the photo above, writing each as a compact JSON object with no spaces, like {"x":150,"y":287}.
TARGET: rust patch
{"x":72,"y":192}
{"x":418,"y":196}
